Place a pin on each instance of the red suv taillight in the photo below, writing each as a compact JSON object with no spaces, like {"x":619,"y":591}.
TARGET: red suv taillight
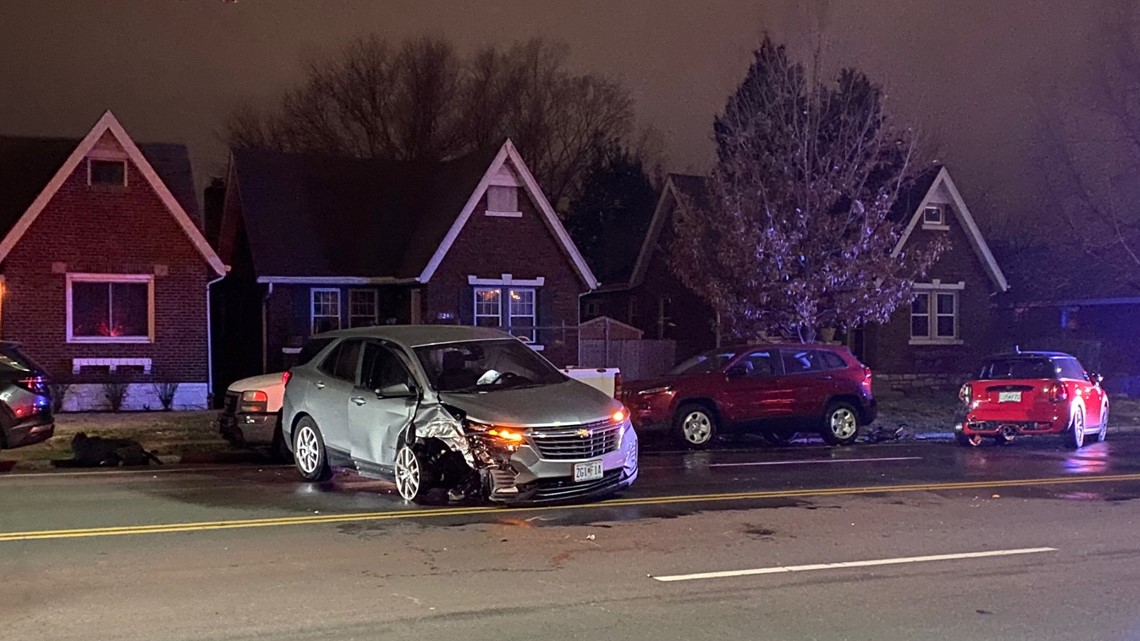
{"x":867,"y":379}
{"x":285,"y":376}
{"x":1056,"y":392}
{"x":35,"y":384}
{"x":617,"y":385}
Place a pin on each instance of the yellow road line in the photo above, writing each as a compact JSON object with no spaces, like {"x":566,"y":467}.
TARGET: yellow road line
{"x":314,"y":519}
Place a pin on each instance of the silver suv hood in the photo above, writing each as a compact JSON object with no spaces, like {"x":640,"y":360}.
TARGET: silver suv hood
{"x":567,"y":403}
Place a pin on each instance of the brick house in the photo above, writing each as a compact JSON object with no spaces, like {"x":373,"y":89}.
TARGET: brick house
{"x":104,"y":268}
{"x":954,"y":321}
{"x":319,"y":243}
{"x":652,"y":299}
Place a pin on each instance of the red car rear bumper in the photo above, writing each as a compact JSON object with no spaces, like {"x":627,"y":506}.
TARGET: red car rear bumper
{"x":992,"y":423}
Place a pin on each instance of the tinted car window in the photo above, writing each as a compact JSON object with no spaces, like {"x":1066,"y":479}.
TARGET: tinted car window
{"x":759,"y":363}
{"x":702,"y":363}
{"x":312,"y":347}
{"x":831,"y":360}
{"x":382,"y":368}
{"x":1013,"y":368}
{"x":1070,"y":368}
{"x":347,"y":357}
{"x":800,"y":361}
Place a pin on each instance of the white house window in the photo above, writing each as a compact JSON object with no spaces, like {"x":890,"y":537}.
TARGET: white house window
{"x":502,"y":200}
{"x":522,"y":311}
{"x":109,"y":173}
{"x":934,"y":217}
{"x":363,"y":308}
{"x":934,"y":317}
{"x":324,"y":310}
{"x":110,"y":308}
{"x":488,"y":307}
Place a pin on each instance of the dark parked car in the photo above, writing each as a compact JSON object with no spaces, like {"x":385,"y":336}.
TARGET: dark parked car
{"x":25,"y":400}
{"x":1029,"y":393}
{"x":776,"y":390}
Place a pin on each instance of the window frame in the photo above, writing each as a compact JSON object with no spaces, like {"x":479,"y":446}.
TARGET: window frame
{"x":528,"y":336}
{"x":940,"y":224}
{"x":374,"y":317}
{"x":109,"y":279}
{"x":932,"y":292}
{"x":90,"y":174}
{"x":503,"y":212}
{"x":313,"y":291}
{"x":475,"y":315}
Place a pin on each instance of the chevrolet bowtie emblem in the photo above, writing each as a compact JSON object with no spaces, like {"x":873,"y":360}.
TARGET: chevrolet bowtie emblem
{"x":585,"y":434}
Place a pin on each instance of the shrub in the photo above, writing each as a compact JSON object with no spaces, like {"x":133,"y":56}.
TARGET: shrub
{"x":58,"y":394}
{"x":165,"y":393}
{"x":115,"y":392}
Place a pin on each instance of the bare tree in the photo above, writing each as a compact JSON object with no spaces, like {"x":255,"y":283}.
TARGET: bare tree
{"x":424,"y":101}
{"x":796,"y":234}
{"x":1092,"y":154}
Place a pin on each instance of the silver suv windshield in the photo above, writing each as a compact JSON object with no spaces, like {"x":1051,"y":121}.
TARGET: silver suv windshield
{"x":482,"y":366}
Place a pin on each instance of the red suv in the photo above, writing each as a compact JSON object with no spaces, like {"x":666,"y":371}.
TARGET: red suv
{"x":1033,"y":393}
{"x":776,"y":390}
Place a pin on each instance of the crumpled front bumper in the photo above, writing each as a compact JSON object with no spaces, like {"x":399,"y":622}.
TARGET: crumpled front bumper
{"x":527,"y":477}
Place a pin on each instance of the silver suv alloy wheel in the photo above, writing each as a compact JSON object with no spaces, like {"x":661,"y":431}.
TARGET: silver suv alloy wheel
{"x":308,"y":448}
{"x":408,"y":474}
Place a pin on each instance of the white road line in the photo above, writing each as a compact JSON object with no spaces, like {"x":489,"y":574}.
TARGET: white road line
{"x":849,"y":564}
{"x":818,"y":461}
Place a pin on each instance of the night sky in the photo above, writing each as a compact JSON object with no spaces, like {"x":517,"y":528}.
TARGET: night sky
{"x":971,"y":74}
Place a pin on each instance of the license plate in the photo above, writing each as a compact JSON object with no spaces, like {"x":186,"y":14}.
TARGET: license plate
{"x":589,"y":471}
{"x":1009,"y":397}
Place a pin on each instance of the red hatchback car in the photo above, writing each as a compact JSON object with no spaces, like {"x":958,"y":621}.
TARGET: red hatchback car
{"x":1033,"y":393}
{"x":776,"y":390}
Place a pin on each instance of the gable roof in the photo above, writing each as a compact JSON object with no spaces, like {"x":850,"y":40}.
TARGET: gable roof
{"x":312,"y":217}
{"x":677,"y":188}
{"x":35,"y":168}
{"x":941,"y":177}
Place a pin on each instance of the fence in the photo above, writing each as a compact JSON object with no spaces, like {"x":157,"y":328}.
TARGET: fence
{"x":637,"y":359}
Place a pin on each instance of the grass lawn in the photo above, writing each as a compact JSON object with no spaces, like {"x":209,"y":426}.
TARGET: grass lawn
{"x":173,"y":436}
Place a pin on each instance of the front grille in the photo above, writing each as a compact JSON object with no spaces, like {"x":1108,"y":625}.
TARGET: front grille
{"x":568,"y":489}
{"x":231,"y":403}
{"x":584,"y":441}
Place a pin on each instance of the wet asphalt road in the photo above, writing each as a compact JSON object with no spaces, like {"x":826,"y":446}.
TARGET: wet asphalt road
{"x":250,"y":552}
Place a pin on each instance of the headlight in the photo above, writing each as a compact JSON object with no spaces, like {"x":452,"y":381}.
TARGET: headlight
{"x":656,"y":390}
{"x":254,"y":402}
{"x":504,"y":434}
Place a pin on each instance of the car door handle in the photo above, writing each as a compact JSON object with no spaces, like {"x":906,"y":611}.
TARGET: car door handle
{"x":319,"y":384}
{"x":359,"y":400}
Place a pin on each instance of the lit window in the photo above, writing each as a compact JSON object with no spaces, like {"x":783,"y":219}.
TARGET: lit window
{"x":934,"y":215}
{"x":522,"y":313}
{"x":488,"y":307}
{"x":502,"y":199}
{"x":109,"y":173}
{"x":110,"y":308}
{"x":362,"y":308}
{"x":325,"y":310}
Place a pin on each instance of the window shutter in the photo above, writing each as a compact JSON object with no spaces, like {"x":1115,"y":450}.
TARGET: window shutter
{"x":545,"y":315}
{"x":466,"y":307}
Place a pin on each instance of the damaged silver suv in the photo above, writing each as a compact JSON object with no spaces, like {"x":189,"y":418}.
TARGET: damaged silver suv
{"x":469,"y":411}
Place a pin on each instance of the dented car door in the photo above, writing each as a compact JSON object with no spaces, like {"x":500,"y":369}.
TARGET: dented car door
{"x":381,"y":407}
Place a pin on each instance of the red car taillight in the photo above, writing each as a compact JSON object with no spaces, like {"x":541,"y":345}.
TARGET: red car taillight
{"x":1056,"y":392}
{"x":617,"y":386}
{"x":867,"y":379}
{"x":285,"y":376}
